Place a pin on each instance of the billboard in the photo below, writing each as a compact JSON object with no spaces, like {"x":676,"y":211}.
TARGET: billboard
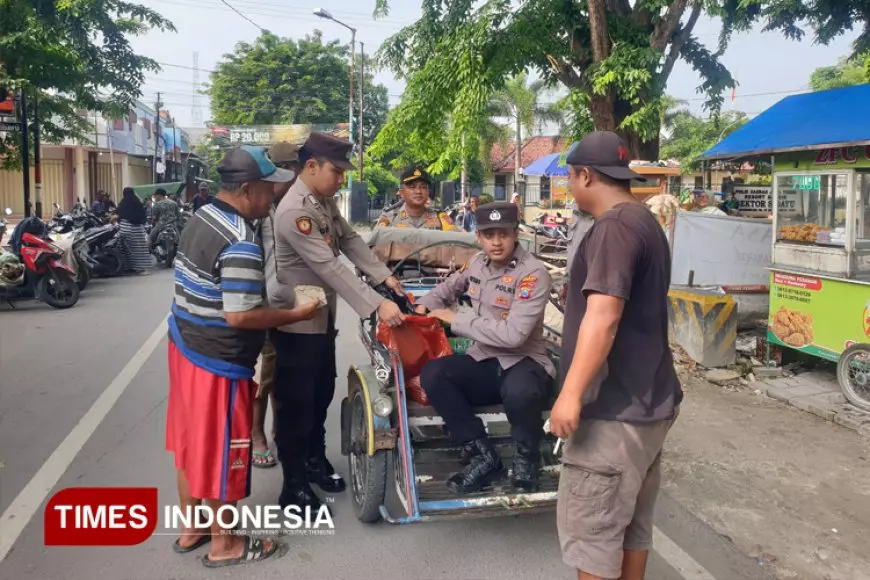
{"x":266,"y":135}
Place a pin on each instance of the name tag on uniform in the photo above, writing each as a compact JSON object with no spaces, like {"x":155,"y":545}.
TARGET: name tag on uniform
{"x":474,"y":279}
{"x":506,"y":289}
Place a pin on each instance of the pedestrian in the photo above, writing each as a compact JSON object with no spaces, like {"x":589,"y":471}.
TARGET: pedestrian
{"x":204,"y":197}
{"x":415,"y":211}
{"x":216,"y":332}
{"x":620,"y":393}
{"x":469,"y":220}
{"x":508,"y":364}
{"x":310,"y":236}
{"x":515,"y":199}
{"x":164,"y":214}
{"x":285,"y":156}
{"x":132,"y":216}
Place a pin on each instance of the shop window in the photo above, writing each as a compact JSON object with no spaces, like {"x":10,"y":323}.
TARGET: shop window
{"x":812,"y":209}
{"x":863,"y":210}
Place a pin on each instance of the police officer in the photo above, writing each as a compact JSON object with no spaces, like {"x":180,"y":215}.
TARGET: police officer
{"x":310,"y":235}
{"x":508,"y":363}
{"x":413,"y":213}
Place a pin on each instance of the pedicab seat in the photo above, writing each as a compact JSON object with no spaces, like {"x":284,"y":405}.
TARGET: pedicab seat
{"x":393,"y":245}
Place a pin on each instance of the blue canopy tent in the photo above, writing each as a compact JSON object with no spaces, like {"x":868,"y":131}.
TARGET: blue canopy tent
{"x":547,"y":166}
{"x":824,"y":119}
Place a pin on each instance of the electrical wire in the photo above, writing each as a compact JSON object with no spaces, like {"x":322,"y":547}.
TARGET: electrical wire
{"x":231,"y":7}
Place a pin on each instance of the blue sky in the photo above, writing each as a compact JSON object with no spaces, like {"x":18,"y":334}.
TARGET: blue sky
{"x":767,"y":66}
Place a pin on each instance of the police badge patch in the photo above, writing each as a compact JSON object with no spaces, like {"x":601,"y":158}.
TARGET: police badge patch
{"x":303,"y":224}
{"x":526,"y":286}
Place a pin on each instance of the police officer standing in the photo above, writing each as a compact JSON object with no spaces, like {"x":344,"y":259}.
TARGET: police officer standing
{"x":413,"y":213}
{"x":310,"y":235}
{"x":508,"y":364}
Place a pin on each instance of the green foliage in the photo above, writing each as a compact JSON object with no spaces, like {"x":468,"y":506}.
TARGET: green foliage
{"x":277,"y":81}
{"x":846,"y":73}
{"x":381,"y":181}
{"x":613,"y":56}
{"x":485,"y":199}
{"x":74,"y":54}
{"x":691,"y":135}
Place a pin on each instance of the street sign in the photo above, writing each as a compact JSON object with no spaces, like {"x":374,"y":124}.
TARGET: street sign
{"x":7,"y":126}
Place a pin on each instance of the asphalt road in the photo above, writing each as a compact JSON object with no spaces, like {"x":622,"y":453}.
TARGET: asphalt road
{"x":54,"y":366}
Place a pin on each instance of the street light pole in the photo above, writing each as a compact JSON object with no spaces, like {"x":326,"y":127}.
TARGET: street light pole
{"x":321,"y":13}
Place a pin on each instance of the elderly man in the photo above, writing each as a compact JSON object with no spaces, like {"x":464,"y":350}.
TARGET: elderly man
{"x":285,"y":156}
{"x":216,"y":331}
{"x":509,"y":289}
{"x":414,"y":212}
{"x":310,"y":237}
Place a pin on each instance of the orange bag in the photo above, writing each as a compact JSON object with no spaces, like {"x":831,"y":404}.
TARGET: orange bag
{"x":419,"y":340}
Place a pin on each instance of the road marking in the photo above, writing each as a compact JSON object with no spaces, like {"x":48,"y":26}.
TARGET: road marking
{"x":678,"y":559}
{"x":21,"y":510}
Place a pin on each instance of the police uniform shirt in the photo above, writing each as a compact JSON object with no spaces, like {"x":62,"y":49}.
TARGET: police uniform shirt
{"x":310,"y":234}
{"x":506,"y":320}
{"x":429,"y":220}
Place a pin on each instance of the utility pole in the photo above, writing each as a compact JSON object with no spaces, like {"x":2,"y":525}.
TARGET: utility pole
{"x":362,"y":78}
{"x":157,"y":106}
{"x":175,"y":151}
{"x":25,"y":152}
{"x":37,"y":166}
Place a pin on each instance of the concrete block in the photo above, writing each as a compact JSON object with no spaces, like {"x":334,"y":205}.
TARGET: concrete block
{"x":779,"y":393}
{"x":704,"y":324}
{"x":722,"y":376}
{"x":817,"y":405}
{"x":810,"y":389}
{"x":767,"y":372}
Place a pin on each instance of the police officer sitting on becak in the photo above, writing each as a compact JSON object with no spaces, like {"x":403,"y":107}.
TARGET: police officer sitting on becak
{"x":508,"y":362}
{"x":413,"y":213}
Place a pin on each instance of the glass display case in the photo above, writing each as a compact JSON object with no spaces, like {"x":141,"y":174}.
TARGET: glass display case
{"x":822,"y":222}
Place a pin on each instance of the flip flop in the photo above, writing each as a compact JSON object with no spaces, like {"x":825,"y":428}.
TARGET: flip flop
{"x":269,"y":459}
{"x":179,"y":549}
{"x":254,"y":552}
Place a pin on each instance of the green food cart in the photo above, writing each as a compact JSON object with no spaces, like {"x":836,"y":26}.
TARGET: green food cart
{"x":818,"y":145}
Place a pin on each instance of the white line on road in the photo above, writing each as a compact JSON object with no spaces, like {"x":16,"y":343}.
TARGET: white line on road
{"x":678,"y":559}
{"x":20,"y":511}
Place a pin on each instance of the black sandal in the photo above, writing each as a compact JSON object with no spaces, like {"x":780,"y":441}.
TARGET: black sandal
{"x":254,"y":552}
{"x":179,"y":549}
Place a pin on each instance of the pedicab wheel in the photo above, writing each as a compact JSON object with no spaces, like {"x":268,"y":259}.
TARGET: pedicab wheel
{"x":58,"y":289}
{"x":368,"y":473}
{"x":853,"y":373}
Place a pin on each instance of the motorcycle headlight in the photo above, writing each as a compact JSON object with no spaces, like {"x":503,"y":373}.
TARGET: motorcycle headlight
{"x":382,"y":406}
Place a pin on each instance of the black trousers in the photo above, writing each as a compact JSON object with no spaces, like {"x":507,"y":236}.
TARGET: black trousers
{"x":457,"y":383}
{"x":304,"y":388}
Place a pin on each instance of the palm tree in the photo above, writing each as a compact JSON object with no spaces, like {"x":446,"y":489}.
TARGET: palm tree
{"x":520,"y":102}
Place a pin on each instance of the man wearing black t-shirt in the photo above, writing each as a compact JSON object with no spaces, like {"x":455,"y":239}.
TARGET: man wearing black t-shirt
{"x":620,"y":392}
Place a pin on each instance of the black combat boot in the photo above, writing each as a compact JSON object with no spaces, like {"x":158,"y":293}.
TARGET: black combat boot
{"x":485,"y":467}
{"x":524,"y":476}
{"x":323,"y":475}
{"x":467,"y":453}
{"x":297,"y":491}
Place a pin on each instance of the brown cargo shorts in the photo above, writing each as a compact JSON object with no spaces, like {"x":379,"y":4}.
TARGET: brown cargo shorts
{"x":266,"y":370}
{"x":610,"y":479}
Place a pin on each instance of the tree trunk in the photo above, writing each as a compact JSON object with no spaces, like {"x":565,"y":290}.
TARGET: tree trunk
{"x":518,"y":153}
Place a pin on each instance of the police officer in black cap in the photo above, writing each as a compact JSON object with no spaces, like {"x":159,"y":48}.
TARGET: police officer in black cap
{"x":508,"y":363}
{"x":310,"y":236}
{"x":413,"y":213}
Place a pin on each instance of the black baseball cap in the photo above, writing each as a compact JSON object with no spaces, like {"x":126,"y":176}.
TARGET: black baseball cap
{"x":498,"y":214}
{"x":337,"y":151}
{"x":605,"y":152}
{"x":412,"y":174}
{"x":248,"y":163}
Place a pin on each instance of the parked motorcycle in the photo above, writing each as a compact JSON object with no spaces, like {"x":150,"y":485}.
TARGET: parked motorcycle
{"x":166,"y":246}
{"x":103,"y":250}
{"x":44,"y":277}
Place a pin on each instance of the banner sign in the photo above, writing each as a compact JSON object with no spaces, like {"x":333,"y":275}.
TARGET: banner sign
{"x":266,"y":135}
{"x":757,"y":201}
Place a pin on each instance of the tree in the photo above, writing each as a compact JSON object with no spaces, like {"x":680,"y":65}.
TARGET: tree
{"x":278,"y":81}
{"x":72,"y":55}
{"x":614,"y":56}
{"x":847,"y":72}
{"x":690,"y":135}
{"x":520,"y":102}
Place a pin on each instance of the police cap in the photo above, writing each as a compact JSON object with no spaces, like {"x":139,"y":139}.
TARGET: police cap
{"x":499,"y":214}
{"x":415,"y":173}
{"x":337,"y":151}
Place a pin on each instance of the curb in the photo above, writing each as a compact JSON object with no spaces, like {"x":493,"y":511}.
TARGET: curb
{"x":829,"y":405}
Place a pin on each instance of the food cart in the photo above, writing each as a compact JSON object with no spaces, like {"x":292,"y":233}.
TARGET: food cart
{"x":819,"y":148}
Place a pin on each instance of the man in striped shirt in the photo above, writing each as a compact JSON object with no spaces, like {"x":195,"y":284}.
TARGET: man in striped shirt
{"x":216,"y":330}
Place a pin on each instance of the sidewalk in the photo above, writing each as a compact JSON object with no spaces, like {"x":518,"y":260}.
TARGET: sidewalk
{"x":817,"y":392}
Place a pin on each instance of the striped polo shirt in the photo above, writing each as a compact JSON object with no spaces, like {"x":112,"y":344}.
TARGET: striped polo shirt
{"x":218,"y":269}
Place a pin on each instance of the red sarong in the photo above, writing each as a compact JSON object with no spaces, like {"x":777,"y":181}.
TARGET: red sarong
{"x":208,"y":428}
